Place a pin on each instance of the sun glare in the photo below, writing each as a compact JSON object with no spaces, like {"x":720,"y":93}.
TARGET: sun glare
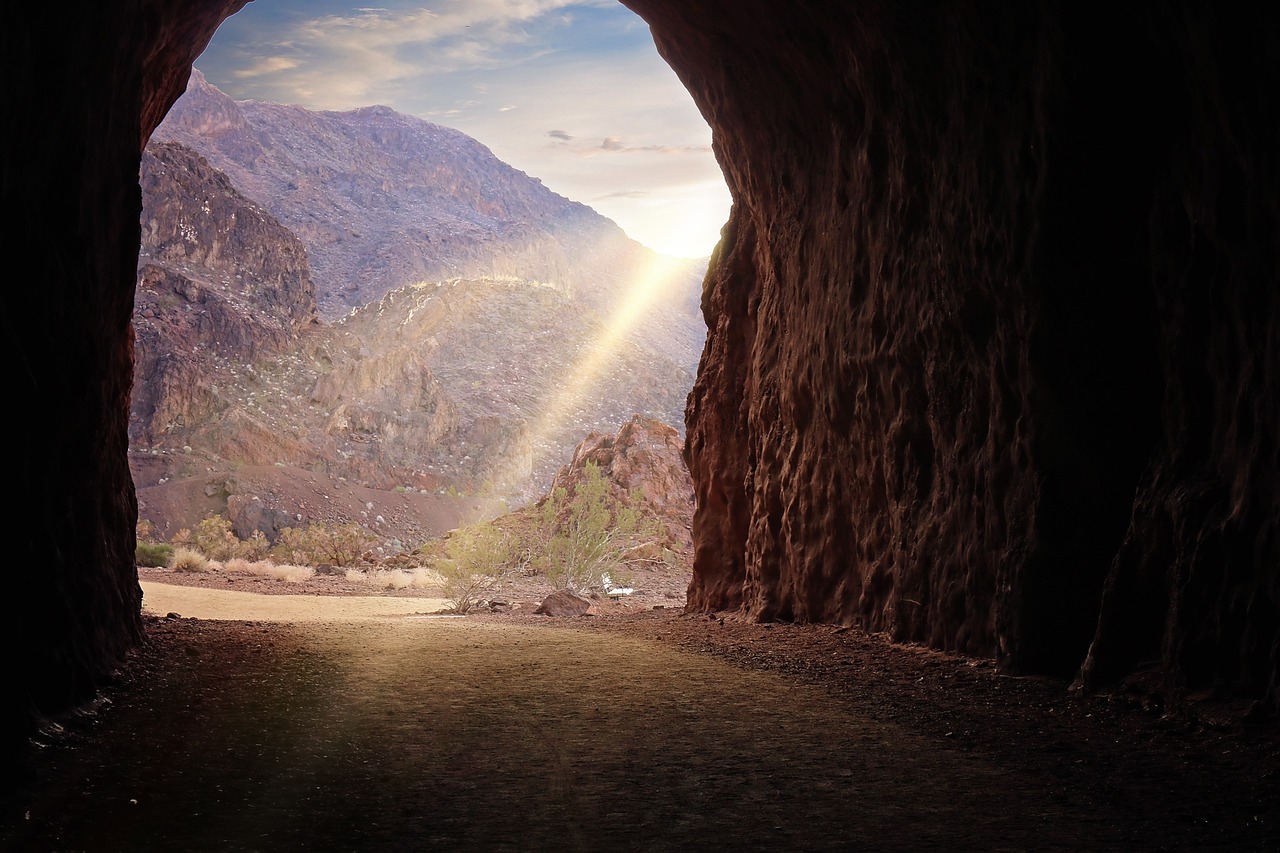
{"x":684,"y":226}
{"x":656,"y":283}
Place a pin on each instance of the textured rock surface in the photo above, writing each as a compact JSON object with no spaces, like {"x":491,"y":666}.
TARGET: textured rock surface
{"x":88,"y":88}
{"x":993,"y":358}
{"x":985,"y":279}
{"x":643,"y":461}
{"x":220,"y":283}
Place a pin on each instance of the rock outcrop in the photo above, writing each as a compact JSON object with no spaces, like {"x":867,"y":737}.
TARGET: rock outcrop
{"x":644,"y":464}
{"x":220,"y":284}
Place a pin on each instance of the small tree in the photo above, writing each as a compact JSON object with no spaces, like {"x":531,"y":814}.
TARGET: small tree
{"x":592,"y":534}
{"x":476,"y":558}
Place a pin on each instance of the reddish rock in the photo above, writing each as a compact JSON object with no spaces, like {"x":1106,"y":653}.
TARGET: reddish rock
{"x":563,"y":602}
{"x":643,"y":462}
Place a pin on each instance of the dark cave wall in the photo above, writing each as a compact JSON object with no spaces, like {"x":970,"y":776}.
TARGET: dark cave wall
{"x":74,"y":84}
{"x":993,"y":351}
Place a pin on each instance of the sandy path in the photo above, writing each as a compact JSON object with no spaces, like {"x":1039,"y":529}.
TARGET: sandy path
{"x":432,"y":734}
{"x":161,"y":599}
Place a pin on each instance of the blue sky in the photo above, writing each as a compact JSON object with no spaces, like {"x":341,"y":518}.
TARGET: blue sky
{"x":573,"y":93}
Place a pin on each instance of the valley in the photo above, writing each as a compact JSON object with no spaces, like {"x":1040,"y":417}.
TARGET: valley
{"x":343,"y":311}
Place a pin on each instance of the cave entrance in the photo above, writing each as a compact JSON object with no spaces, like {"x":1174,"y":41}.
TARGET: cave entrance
{"x":357,"y":311}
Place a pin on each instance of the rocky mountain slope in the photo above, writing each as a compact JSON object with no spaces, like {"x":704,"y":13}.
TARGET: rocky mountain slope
{"x":382,"y":199}
{"x":471,"y":391}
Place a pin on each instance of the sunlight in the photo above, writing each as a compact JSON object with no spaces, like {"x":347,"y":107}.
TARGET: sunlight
{"x":652,"y":286}
{"x":683,"y":222}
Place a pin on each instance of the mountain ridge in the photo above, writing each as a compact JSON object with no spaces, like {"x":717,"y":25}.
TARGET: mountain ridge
{"x":382,"y":199}
{"x":476,"y":387}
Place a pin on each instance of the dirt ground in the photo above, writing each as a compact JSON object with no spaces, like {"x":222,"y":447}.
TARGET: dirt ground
{"x":632,"y":729}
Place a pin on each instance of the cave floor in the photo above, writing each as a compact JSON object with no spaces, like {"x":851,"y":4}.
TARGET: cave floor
{"x":651,"y":731}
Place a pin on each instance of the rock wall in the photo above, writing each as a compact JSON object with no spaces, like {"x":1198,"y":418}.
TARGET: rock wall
{"x":83,"y":88}
{"x":993,"y":354}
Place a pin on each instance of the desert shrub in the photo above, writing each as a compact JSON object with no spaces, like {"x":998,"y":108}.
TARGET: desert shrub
{"x":239,"y":565}
{"x":590,"y":535}
{"x":475,"y":559}
{"x":188,"y":560}
{"x":145,"y":531}
{"x":392,"y":579}
{"x":214,"y":538}
{"x":396,"y":578}
{"x":255,"y":548}
{"x":341,"y":545}
{"x":155,"y":555}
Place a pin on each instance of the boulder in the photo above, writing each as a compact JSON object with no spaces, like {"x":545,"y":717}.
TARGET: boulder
{"x":564,"y":602}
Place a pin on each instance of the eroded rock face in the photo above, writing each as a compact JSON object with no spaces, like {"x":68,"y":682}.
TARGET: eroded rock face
{"x":87,"y":85}
{"x":644,"y":466}
{"x":984,"y":282}
{"x":220,"y":283}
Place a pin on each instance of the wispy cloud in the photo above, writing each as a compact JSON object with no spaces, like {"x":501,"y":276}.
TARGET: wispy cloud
{"x":615,"y":144}
{"x":266,"y":65}
{"x":622,"y":194}
{"x":560,"y":135}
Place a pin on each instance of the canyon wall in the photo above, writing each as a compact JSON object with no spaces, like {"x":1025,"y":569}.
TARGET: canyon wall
{"x":993,"y":327}
{"x":993,"y":352}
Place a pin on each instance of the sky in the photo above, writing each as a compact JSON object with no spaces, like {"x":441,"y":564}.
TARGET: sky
{"x":572,"y":92}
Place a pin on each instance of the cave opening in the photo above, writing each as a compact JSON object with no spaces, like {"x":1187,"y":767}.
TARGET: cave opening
{"x":267,"y":402}
{"x":990,"y":361}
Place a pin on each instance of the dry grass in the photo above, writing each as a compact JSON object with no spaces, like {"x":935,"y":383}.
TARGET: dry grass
{"x":268,"y":569}
{"x":292,"y":574}
{"x":188,"y":560}
{"x":397,"y":578}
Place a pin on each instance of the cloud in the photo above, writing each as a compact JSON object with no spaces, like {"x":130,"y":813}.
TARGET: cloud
{"x":267,"y":65}
{"x":560,"y":134}
{"x":615,"y":143}
{"x":622,"y":194}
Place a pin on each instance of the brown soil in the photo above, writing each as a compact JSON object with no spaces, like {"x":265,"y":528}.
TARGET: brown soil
{"x":635,"y":729}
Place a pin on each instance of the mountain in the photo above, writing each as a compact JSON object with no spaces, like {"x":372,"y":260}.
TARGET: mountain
{"x":463,"y":393}
{"x":382,"y":199}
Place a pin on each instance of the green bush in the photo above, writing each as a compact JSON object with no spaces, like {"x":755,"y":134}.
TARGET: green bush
{"x":475,"y":559}
{"x":590,"y":535}
{"x":214,"y":538}
{"x":153,"y":555}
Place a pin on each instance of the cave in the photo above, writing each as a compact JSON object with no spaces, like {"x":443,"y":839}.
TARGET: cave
{"x":994,"y":329}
